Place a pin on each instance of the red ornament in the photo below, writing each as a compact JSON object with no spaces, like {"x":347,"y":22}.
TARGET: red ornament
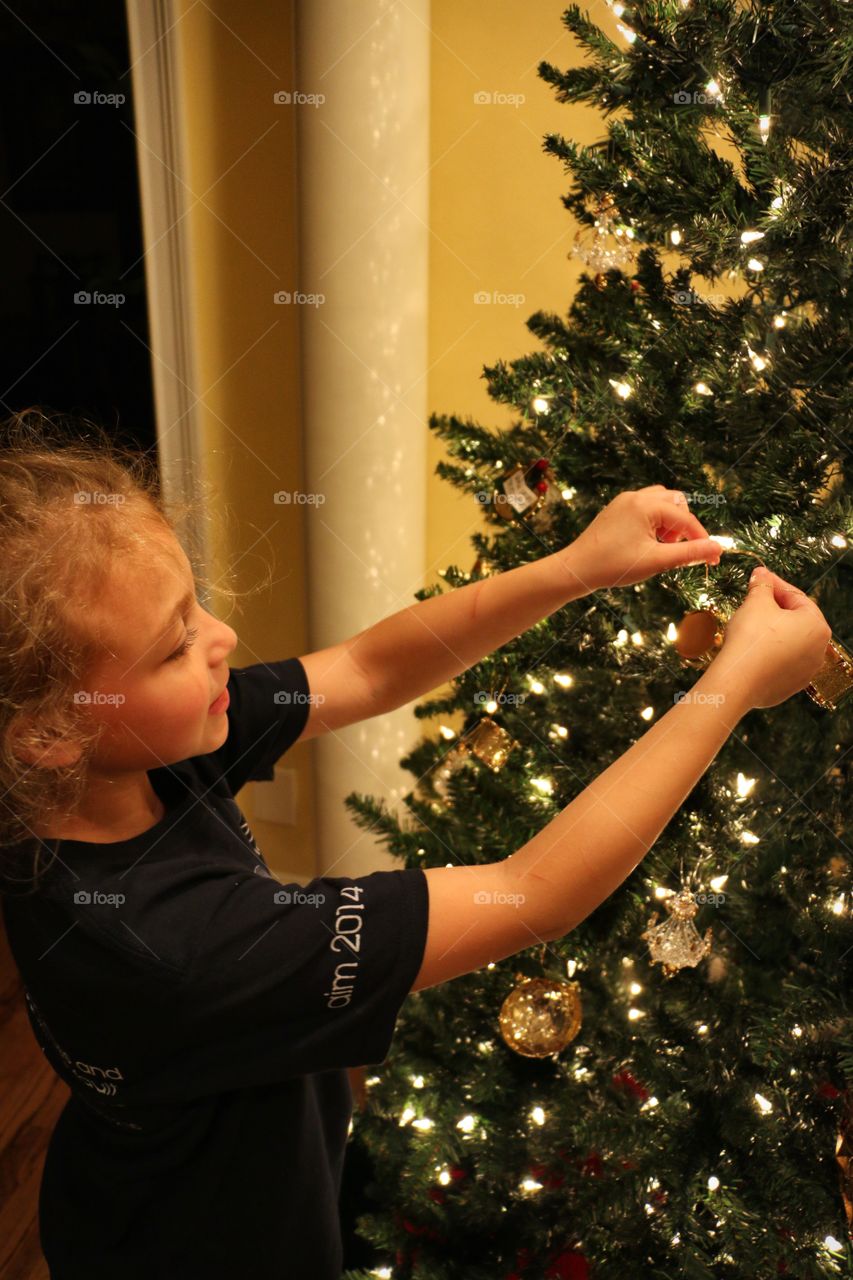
{"x":593,"y":1165}
{"x":568,"y":1266}
{"x":828,"y":1090}
{"x":635,"y":284}
{"x":624,"y":1080}
{"x":436,"y":1194}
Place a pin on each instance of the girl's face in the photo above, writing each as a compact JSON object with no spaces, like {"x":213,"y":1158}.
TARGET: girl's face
{"x":164,"y":663}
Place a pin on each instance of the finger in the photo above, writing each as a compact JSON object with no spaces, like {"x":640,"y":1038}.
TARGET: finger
{"x":698,"y":551}
{"x":786,"y":595}
{"x":670,"y":519}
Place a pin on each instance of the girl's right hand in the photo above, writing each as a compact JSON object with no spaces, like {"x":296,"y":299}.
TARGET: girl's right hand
{"x":775,"y":642}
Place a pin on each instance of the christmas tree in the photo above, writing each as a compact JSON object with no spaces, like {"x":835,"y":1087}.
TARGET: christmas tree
{"x":693,"y":1120}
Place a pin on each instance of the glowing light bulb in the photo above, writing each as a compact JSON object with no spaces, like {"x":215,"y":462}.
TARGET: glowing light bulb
{"x":629,"y":35}
{"x":838,"y":540}
{"x":758,"y":362}
{"x":423,"y":1124}
{"x":543,"y":785}
{"x":763,"y":1105}
{"x":559,"y":731}
{"x":672,"y":632}
{"x":747,"y":237}
{"x":702,"y":1028}
{"x":537,"y":1115}
{"x":703,"y":389}
{"x":637,"y":637}
{"x":744,"y":784}
{"x":444,"y":1177}
{"x":622,"y":389}
{"x":634,"y":1014}
{"x":662,"y":892}
{"x":764,"y":127}
{"x":675,"y":236}
{"x":755,"y":264}
{"x":541,"y":405}
{"x":713,"y":1183}
{"x":713,"y":86}
{"x":446,"y":731}
{"x":777,"y":202}
{"x":407,"y":1115}
{"x":719,"y":883}
{"x":647,"y":713}
{"x":838,"y":905}
{"x":537,"y":686}
{"x":567,"y":494}
{"x":635,"y":988}
{"x":491,"y":706}
{"x":621,"y":637}
{"x":564,"y":680}
{"x":832,"y":1244}
{"x":779,"y":321}
{"x":747,"y":837}
{"x":530,"y":1184}
{"x":466,"y":1124}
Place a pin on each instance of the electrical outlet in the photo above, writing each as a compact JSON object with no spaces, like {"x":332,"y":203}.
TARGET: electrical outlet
{"x":275,"y":801}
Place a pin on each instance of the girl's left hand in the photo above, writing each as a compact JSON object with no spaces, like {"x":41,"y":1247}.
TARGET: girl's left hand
{"x":639,"y":533}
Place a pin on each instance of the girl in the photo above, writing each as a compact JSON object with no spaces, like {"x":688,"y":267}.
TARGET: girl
{"x":201,"y":1013}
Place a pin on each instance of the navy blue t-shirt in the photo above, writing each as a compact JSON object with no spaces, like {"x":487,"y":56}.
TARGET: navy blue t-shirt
{"x":203,"y":1014}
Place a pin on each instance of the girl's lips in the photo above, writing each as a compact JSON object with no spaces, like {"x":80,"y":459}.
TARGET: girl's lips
{"x":221,"y":704}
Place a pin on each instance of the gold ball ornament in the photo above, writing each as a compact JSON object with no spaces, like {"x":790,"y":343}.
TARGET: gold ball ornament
{"x":541,"y":1016}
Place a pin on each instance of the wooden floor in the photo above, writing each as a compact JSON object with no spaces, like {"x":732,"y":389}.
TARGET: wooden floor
{"x":31,"y":1098}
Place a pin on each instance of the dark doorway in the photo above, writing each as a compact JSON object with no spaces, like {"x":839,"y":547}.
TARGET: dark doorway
{"x":70,"y":222}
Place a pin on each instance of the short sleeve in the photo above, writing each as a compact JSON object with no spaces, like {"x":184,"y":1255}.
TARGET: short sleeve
{"x":287,"y":979}
{"x":267,"y":711}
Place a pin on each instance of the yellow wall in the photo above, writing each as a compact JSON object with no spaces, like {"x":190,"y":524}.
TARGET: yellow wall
{"x":244,"y":237}
{"x":496,"y":224}
{"x":496,"y":220}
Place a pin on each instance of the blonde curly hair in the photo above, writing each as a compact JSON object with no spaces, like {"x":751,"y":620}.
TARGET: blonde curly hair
{"x":71,"y":501}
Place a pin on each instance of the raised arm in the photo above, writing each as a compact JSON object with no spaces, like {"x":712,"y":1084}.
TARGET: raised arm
{"x":774,"y":644}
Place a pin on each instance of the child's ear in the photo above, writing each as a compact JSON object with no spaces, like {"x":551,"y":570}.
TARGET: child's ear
{"x":42,"y":749}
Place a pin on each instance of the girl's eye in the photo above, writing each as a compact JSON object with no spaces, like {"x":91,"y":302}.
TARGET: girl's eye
{"x":192,"y":633}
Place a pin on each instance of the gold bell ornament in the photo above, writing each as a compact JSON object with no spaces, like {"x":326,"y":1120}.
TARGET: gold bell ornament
{"x":676,"y":943}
